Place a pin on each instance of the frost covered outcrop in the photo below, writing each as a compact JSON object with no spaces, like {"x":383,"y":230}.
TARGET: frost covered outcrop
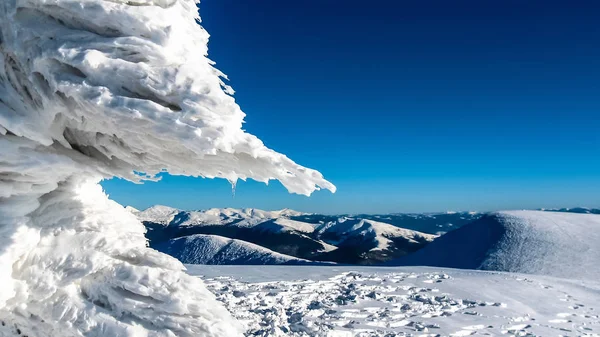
{"x":92,"y":89}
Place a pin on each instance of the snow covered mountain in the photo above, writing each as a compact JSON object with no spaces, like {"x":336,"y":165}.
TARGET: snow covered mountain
{"x":214,"y":249}
{"x":369,"y":241}
{"x":215,"y":216}
{"x":549,"y":243}
{"x":341,"y":239}
{"x":432,"y":223}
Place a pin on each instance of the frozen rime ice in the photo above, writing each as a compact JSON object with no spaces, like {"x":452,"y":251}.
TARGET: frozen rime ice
{"x":92,"y":89}
{"x":128,"y":85}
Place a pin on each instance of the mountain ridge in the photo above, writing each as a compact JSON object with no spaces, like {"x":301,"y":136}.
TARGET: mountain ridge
{"x":302,"y":235}
{"x":533,"y":242}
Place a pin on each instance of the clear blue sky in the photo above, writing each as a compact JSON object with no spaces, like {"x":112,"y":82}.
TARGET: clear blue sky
{"x":409,"y":106}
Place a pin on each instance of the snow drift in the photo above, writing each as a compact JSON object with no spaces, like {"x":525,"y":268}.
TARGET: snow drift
{"x":535,"y":242}
{"x":92,"y":89}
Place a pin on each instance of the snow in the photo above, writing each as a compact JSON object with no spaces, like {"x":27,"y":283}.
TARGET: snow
{"x":283,"y":224}
{"x":79,"y":265}
{"x":94,"y":89}
{"x":380,"y":233}
{"x":401,"y":301}
{"x":158,"y":214}
{"x":132,"y":209}
{"x":246,"y":217}
{"x":130,"y":87}
{"x":350,"y":240}
{"x":214,"y":249}
{"x":536,"y":242}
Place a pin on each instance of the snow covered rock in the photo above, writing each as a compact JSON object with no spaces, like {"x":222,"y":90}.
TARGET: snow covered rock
{"x":535,"y":242}
{"x":93,"y":89}
{"x":214,"y":249}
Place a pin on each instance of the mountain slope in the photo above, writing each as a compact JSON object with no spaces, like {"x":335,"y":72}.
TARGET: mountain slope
{"x":407,"y":301}
{"x":377,"y":234}
{"x":369,"y":242}
{"x":213,"y":249}
{"x":548,"y":243}
{"x":432,"y":223}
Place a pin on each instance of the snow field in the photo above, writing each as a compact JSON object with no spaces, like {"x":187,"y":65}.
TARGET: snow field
{"x":369,"y":301}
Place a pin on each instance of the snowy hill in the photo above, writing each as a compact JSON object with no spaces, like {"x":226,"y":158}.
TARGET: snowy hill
{"x":377,"y":241}
{"x":213,"y":249}
{"x":549,"y":243}
{"x":339,"y":239}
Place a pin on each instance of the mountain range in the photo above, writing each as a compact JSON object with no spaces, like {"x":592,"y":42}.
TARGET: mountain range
{"x":561,"y":244}
{"x":542,"y":241}
{"x":299,"y":237}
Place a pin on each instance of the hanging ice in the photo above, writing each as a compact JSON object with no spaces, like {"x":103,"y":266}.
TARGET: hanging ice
{"x":91,"y":89}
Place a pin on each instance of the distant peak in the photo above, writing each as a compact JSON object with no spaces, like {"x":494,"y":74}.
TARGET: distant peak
{"x":132,"y":209}
{"x":160,"y":207}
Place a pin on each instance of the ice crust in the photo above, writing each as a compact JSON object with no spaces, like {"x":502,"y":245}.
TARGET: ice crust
{"x":93,"y":89}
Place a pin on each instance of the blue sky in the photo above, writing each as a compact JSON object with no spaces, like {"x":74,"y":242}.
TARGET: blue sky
{"x":408,"y":106}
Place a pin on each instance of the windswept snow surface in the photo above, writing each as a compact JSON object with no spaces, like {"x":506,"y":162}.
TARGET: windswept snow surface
{"x":93,"y":89}
{"x":214,"y":249}
{"x":402,"y":301}
{"x":548,"y":243}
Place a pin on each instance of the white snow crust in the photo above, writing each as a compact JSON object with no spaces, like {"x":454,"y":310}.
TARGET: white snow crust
{"x":93,"y":89}
{"x":402,"y":301}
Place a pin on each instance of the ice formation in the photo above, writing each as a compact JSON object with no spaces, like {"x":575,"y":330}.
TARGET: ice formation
{"x":91,"y":89}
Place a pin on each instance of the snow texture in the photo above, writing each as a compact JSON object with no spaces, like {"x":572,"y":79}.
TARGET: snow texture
{"x":214,"y":249}
{"x":93,"y":89}
{"x":535,"y":242}
{"x":406,"y":301}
